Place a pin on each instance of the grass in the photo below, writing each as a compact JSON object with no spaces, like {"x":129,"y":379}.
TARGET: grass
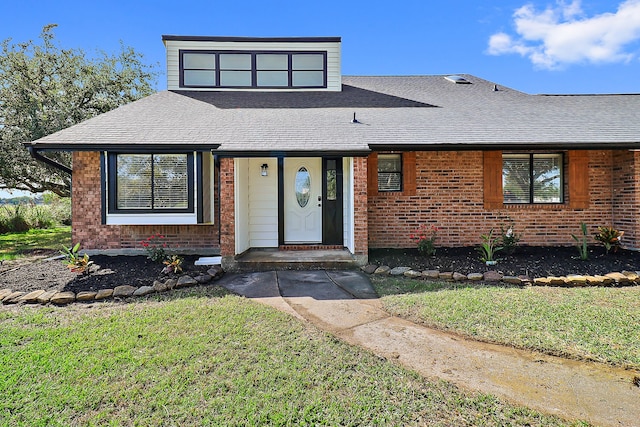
{"x":16,"y":245}
{"x":594,"y":323}
{"x":202,"y":357}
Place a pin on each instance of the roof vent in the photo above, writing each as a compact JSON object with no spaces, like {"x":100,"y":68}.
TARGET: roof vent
{"x":458,"y":80}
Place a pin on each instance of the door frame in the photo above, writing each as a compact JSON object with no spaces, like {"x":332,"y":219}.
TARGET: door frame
{"x":328,"y":238}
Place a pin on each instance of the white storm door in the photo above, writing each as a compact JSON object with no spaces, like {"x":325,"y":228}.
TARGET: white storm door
{"x":303,"y":200}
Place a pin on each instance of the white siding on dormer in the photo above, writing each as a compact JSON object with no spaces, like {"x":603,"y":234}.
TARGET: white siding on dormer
{"x":334,"y":77}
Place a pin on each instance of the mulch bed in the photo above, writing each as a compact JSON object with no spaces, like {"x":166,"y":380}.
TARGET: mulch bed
{"x":111,"y":271}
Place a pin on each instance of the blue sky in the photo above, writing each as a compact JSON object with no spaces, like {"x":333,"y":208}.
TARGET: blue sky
{"x":536,"y":46}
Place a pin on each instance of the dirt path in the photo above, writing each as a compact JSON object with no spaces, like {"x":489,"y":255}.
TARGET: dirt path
{"x":587,"y":391}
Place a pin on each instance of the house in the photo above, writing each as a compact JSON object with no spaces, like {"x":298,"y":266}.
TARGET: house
{"x":262,"y":143}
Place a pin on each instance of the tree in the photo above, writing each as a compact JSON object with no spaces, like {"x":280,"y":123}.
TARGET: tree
{"x":44,"y":88}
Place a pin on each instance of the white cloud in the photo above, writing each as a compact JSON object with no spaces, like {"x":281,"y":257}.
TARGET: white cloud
{"x":563,"y":35}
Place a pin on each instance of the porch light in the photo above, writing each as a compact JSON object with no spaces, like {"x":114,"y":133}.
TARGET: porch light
{"x":264,"y":169}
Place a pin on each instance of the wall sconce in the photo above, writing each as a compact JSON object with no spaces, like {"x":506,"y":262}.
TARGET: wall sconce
{"x":264,"y":169}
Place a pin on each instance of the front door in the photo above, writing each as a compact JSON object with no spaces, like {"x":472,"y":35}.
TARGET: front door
{"x":302,"y":200}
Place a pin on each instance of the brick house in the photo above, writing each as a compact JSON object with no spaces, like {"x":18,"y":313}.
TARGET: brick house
{"x":262,"y":143}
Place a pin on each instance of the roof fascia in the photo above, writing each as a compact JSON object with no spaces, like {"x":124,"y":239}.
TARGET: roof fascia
{"x":290,"y":153}
{"x":253,"y":39}
{"x":142,"y":148}
{"x":507,"y":146}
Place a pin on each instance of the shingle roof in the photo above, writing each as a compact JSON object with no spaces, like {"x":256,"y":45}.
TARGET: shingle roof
{"x":402,"y":112}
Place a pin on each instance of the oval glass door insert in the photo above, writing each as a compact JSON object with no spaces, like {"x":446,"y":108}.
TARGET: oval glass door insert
{"x":303,"y":186}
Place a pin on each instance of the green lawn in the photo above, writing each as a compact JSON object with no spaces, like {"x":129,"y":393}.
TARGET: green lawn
{"x":201,"y":357}
{"x":595,"y":323}
{"x":15,"y":245}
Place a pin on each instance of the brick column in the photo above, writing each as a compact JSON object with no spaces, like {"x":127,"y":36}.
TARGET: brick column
{"x":361,"y":225}
{"x":227,"y":210}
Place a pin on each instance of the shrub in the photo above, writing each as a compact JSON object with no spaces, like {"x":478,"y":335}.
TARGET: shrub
{"x":609,"y":237}
{"x":40,"y":216}
{"x":425,"y":238}
{"x":489,"y":246}
{"x":156,"y":250}
{"x":508,"y":238}
{"x":581,"y":243}
{"x":14,"y":219}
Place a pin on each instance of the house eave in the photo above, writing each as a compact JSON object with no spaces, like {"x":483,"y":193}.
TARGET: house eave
{"x":129,"y":148}
{"x":291,"y":153}
{"x":507,"y":146}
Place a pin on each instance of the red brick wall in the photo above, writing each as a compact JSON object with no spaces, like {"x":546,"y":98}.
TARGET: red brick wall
{"x":92,"y":234}
{"x":626,"y":203}
{"x":449,"y":194}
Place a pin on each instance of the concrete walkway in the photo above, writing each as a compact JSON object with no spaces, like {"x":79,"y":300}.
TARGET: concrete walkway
{"x":345,"y":304}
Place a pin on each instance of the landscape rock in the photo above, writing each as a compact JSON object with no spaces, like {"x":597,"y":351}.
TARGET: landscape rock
{"x":459,"y":277}
{"x":577,"y":280}
{"x":159,"y":286}
{"x":542,"y":281}
{"x":399,"y":271}
{"x":31,"y":297}
{"x":513,"y":280}
{"x":369,"y":268}
{"x":203,"y":278}
{"x":46,"y":296}
{"x":431,"y":274}
{"x":412,"y":274}
{"x":170,"y":283}
{"x":124,"y":291}
{"x":215,"y":271}
{"x":62,"y":298}
{"x":632,"y":275}
{"x":12,"y":298}
{"x":143,"y":290}
{"x":185,"y":281}
{"x":86,"y":296}
{"x":4,"y":293}
{"x":104,"y":294}
{"x":618,"y":277}
{"x":383,"y":269}
{"x":556,"y":281}
{"x":475,"y":276}
{"x":492,"y":276}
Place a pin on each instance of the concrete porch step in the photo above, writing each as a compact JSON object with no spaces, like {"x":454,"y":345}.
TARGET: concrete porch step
{"x":274,"y":259}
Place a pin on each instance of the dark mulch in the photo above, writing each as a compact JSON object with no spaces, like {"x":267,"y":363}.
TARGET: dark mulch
{"x":107,"y":272}
{"x":530,"y":261}
{"x":112,"y":271}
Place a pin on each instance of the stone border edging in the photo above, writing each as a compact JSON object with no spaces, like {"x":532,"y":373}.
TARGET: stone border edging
{"x":625,"y":278}
{"x":8,"y":296}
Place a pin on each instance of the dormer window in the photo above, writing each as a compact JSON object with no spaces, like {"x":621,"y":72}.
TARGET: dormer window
{"x":241,"y":69}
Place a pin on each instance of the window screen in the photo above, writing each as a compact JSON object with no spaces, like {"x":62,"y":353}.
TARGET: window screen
{"x":389,"y":172}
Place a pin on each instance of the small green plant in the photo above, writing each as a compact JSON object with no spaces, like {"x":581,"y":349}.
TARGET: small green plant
{"x":425,"y":238}
{"x":489,"y":246}
{"x":74,"y":261}
{"x":581,"y":243}
{"x":609,"y":237}
{"x":508,"y":238}
{"x":156,"y":250}
{"x":14,"y":218}
{"x":173,"y":264}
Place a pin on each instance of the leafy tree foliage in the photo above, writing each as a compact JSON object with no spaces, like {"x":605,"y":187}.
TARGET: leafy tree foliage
{"x":44,"y":88}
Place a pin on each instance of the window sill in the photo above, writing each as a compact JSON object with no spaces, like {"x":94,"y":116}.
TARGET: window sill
{"x":152,"y":219}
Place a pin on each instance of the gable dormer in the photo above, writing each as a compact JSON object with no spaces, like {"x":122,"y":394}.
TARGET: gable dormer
{"x":253,"y":63}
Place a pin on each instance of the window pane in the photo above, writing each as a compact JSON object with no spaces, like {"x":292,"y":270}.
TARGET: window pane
{"x":272,"y":62}
{"x":235,"y":78}
{"x":303,"y":186}
{"x":133,"y":181}
{"x":170,"y":181}
{"x":273,"y":78}
{"x":515,"y":178}
{"x":199,"y":78}
{"x":200,"y":61}
{"x":235,"y":61}
{"x":308,"y":61}
{"x":308,"y":78}
{"x":547,"y":182}
{"x":389,"y":172}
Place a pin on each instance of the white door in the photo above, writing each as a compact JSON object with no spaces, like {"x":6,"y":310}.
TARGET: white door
{"x":302,"y":200}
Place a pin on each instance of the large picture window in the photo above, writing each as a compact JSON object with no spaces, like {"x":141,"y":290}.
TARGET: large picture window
{"x":233,"y":69}
{"x":148,"y":183}
{"x":532,"y":178}
{"x":389,"y":172}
